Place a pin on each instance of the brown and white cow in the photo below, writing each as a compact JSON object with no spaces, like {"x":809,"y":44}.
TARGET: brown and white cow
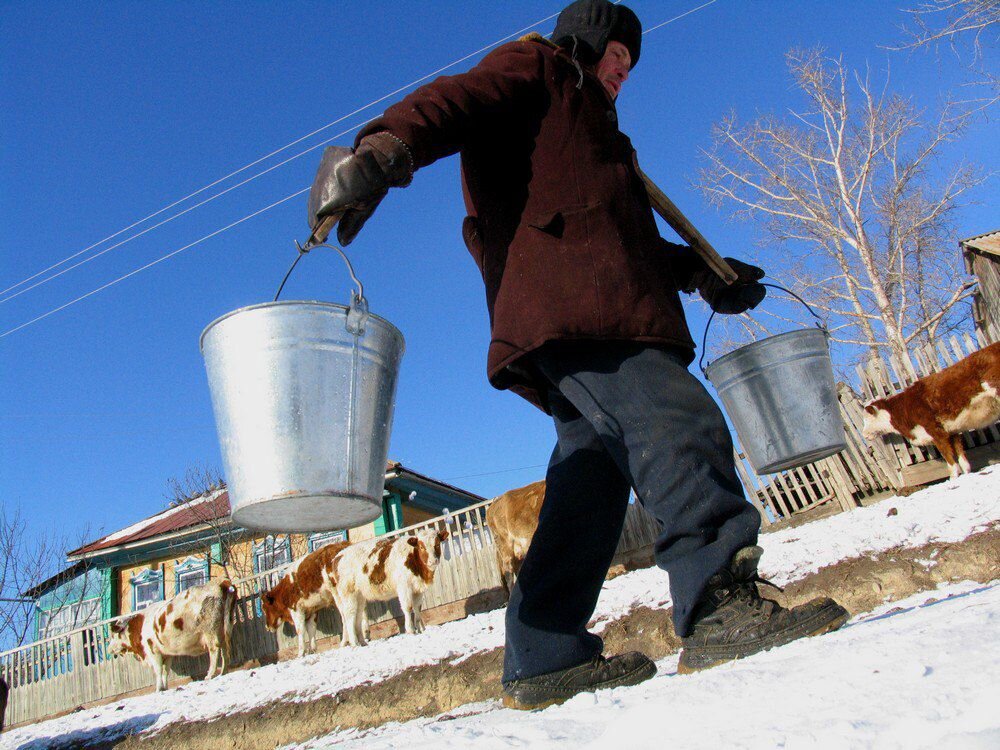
{"x":381,"y":569}
{"x":309,"y":586}
{"x":935,"y":409}
{"x":512,"y":519}
{"x":197,"y":620}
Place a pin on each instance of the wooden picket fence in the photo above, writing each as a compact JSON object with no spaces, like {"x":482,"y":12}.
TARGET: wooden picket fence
{"x":843,"y":481}
{"x":61,"y":673}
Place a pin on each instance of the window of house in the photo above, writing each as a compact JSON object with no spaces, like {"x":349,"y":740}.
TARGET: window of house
{"x":271,"y":553}
{"x":68,"y":617}
{"x":324,"y":538}
{"x":147,"y":588}
{"x":191,"y":572}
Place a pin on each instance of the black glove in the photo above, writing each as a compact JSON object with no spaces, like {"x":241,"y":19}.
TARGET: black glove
{"x":354,"y":181}
{"x":732,"y":299}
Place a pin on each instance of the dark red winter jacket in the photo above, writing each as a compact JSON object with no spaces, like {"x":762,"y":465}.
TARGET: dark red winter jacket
{"x":559,"y":221}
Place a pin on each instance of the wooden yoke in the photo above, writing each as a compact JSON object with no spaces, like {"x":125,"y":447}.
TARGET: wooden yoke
{"x":687,"y":231}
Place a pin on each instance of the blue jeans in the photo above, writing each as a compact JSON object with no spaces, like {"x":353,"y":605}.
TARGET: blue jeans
{"x":626,"y":415}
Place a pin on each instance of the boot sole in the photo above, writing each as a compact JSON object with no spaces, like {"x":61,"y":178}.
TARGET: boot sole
{"x":698,"y":659}
{"x":642,"y":674}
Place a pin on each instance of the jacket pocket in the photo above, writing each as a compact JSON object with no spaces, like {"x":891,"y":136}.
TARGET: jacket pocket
{"x":553,"y":222}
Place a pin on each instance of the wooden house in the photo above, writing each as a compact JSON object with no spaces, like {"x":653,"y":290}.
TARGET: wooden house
{"x":195,"y":541}
{"x":982,"y":259}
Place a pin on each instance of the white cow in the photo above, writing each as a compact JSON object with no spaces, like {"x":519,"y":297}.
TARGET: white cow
{"x":381,"y":569}
{"x":197,"y":620}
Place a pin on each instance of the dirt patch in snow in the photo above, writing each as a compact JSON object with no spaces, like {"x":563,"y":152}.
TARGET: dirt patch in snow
{"x":860,"y":584}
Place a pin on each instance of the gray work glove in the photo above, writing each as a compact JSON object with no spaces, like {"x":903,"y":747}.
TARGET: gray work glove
{"x":732,"y":299}
{"x":353,"y":182}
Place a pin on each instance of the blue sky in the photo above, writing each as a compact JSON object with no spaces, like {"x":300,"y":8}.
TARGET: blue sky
{"x":113,"y":110}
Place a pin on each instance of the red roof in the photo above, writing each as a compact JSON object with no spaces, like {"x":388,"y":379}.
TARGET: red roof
{"x":193,"y":513}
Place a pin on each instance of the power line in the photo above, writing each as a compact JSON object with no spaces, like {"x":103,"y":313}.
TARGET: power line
{"x":283,"y":200}
{"x":153,"y":263}
{"x":491,"y":473}
{"x":175,"y":216}
{"x":268,"y":156}
{"x":677,"y":18}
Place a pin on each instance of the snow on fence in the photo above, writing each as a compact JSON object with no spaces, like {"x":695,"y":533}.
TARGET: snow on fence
{"x":67,"y":671}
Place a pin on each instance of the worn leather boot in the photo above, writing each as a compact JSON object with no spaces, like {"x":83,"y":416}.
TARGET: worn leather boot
{"x":732,"y":620}
{"x":557,"y":687}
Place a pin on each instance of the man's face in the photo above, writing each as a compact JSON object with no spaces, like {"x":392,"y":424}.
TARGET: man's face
{"x":613,"y":68}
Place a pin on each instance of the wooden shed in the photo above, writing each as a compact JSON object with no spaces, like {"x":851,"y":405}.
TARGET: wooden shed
{"x":982,"y":259}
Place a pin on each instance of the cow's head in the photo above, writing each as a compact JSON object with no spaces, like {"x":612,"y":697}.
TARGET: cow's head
{"x":431,"y":542}
{"x":878,"y":420}
{"x":121,"y":641}
{"x":275,"y":609}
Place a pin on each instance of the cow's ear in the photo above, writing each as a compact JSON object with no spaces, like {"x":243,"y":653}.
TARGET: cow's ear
{"x":412,"y":541}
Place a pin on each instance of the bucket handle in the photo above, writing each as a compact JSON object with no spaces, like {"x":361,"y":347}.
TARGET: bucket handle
{"x":821,"y":324}
{"x":358,"y":312}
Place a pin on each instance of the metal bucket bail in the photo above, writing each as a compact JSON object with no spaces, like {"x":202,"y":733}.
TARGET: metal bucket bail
{"x":780,"y":395}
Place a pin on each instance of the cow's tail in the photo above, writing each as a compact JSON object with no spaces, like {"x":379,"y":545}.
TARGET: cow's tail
{"x":228,"y":591}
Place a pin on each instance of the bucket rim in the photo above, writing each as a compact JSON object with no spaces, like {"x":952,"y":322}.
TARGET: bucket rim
{"x":760,"y":343}
{"x":288,"y":302}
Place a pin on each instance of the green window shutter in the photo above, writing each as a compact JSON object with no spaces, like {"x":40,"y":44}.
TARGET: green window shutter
{"x":215,"y":553}
{"x":396,"y":512}
{"x":107,"y":593}
{"x":381,"y":525}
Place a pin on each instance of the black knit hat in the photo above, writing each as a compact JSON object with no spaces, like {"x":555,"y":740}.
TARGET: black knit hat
{"x":588,"y":26}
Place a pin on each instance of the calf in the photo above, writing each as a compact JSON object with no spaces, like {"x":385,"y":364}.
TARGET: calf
{"x":932,"y":411}
{"x":309,"y":586}
{"x":512,"y":519}
{"x":380,"y":569}
{"x":197,"y":620}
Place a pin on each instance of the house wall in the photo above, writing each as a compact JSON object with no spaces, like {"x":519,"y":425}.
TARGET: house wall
{"x":987,"y":298}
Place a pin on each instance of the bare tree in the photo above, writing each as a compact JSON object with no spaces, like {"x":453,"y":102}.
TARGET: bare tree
{"x":198,"y":488}
{"x":961,"y":24}
{"x":847,"y":188}
{"x":953,"y":20}
{"x":27,"y":560}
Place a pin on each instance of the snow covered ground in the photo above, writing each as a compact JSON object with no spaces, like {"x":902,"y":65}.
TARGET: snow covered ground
{"x":885,"y":647}
{"x":920,"y":673}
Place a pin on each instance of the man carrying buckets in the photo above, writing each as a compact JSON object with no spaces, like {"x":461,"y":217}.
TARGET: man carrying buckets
{"x":586,"y":324}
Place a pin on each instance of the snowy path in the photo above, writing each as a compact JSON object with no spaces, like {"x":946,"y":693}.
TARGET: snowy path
{"x":943,"y":513}
{"x":923,"y":672}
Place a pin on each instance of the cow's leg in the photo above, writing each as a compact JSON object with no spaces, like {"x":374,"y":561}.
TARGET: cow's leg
{"x":299,"y":621}
{"x":164,"y":671}
{"x":946,"y":447}
{"x":361,"y":620}
{"x":963,"y":460}
{"x":349,"y":614}
{"x":416,"y":604}
{"x":311,"y":626}
{"x":213,"y":660}
{"x":224,"y":654}
{"x":406,"y":604}
{"x":155,"y":660}
{"x":338,"y":602}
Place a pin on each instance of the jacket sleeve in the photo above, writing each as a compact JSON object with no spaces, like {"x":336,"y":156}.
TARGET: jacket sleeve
{"x":435,"y":120}
{"x":686,"y":266}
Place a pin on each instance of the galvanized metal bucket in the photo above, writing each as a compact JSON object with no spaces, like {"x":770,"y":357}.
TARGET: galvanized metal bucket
{"x":780,"y":395}
{"x":303,"y":395}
